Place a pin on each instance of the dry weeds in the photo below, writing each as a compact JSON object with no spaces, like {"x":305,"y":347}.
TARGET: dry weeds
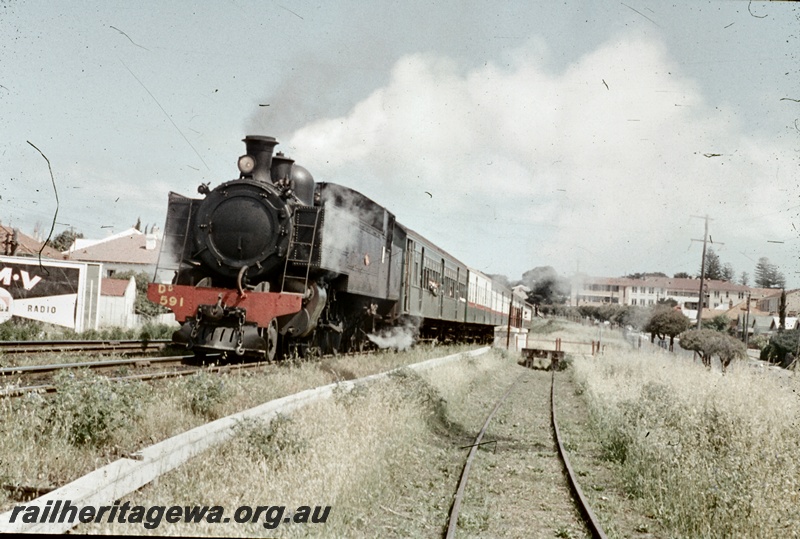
{"x":385,"y":457}
{"x":705,"y":454}
{"x":34,"y":454}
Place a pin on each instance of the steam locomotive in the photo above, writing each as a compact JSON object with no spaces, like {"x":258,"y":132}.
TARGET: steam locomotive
{"x":275,"y":263}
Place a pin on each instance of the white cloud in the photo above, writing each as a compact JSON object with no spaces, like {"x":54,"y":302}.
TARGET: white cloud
{"x":602,"y":163}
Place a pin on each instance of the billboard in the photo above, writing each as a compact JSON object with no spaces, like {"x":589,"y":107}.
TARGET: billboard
{"x":54,"y":291}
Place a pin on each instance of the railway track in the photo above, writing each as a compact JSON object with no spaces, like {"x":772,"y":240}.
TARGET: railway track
{"x":43,"y":373}
{"x":179,"y":368}
{"x":39,"y":347}
{"x":591,"y":522}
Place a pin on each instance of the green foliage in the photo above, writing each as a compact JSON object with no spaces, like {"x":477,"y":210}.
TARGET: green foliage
{"x":154,"y":332}
{"x":417,"y":389}
{"x":20,"y":329}
{"x":602,"y":313}
{"x":546,"y":286}
{"x":718,"y":323}
{"x":645,"y":275}
{"x":758,"y":341}
{"x":264,"y":440}
{"x":64,"y":240}
{"x":543,"y":327}
{"x":689,"y":448}
{"x":767,"y":275}
{"x":667,"y":322}
{"x":708,"y":343}
{"x":712,"y":266}
{"x":145,"y":332}
{"x":781,"y":346}
{"x":474,"y":521}
{"x":206,"y":392}
{"x":744,"y":279}
{"x":615,"y":441}
{"x":142,"y":305}
{"x":88,"y":409}
{"x":623,"y":315}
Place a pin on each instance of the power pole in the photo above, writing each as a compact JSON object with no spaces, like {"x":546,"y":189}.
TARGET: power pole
{"x":747,"y":323}
{"x":702,"y":272}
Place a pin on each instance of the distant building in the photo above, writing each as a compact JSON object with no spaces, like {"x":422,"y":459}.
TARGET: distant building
{"x":720,"y":296}
{"x":125,"y":251}
{"x":117,"y":302}
{"x":15,"y":243}
{"x":790,"y":322}
{"x":521,"y":292}
{"x":772,"y":302}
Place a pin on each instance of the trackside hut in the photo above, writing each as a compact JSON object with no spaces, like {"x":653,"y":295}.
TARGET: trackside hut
{"x":52,"y":291}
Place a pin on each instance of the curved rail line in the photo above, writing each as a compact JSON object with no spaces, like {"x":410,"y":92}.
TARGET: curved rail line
{"x":583,"y":504}
{"x":462,"y":485}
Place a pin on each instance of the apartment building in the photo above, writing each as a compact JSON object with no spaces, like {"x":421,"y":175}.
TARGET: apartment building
{"x":587,"y":290}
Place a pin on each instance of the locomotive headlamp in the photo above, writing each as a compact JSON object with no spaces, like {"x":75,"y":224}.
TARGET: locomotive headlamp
{"x":246,"y":164}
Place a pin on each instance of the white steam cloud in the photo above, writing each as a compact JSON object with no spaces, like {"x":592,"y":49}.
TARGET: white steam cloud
{"x":602,"y":165}
{"x":400,"y":338}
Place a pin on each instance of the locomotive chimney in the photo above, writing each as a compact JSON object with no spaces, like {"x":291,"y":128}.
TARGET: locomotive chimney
{"x":281,"y":167}
{"x":301,"y":180}
{"x":261,"y":149}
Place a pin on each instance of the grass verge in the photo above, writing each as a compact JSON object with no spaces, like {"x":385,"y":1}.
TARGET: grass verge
{"x":385,"y":457}
{"x":705,"y":454}
{"x":46,"y":442}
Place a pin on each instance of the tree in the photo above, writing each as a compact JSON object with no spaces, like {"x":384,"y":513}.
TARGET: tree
{"x":718,"y":323}
{"x":645,"y":275}
{"x":713,"y":267}
{"x":727,"y":272}
{"x":546,"y":286}
{"x":632,"y":315}
{"x":744,"y":279}
{"x":709,"y":343}
{"x":64,"y":240}
{"x":782,"y":311}
{"x":142,"y":305}
{"x":782,"y":347}
{"x":667,"y":322}
{"x":681,"y":275}
{"x":767,"y":274}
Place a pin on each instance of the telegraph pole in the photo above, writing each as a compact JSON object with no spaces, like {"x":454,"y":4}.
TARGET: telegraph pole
{"x":747,"y":323}
{"x":702,"y":272}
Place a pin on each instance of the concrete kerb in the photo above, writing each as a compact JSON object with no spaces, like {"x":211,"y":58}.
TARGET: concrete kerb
{"x":121,"y":477}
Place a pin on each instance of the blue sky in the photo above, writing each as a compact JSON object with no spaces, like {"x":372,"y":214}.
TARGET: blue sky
{"x":583,"y":135}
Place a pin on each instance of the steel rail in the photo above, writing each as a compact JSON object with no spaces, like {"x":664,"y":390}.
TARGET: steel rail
{"x":22,"y":347}
{"x":162,"y":375}
{"x":462,"y":484}
{"x":101,"y":364}
{"x":125,"y":475}
{"x":583,"y":504}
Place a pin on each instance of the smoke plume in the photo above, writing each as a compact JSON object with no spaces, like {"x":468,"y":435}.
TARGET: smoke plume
{"x":398,"y":338}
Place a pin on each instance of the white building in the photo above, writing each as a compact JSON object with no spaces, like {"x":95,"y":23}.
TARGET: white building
{"x":117,"y":302}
